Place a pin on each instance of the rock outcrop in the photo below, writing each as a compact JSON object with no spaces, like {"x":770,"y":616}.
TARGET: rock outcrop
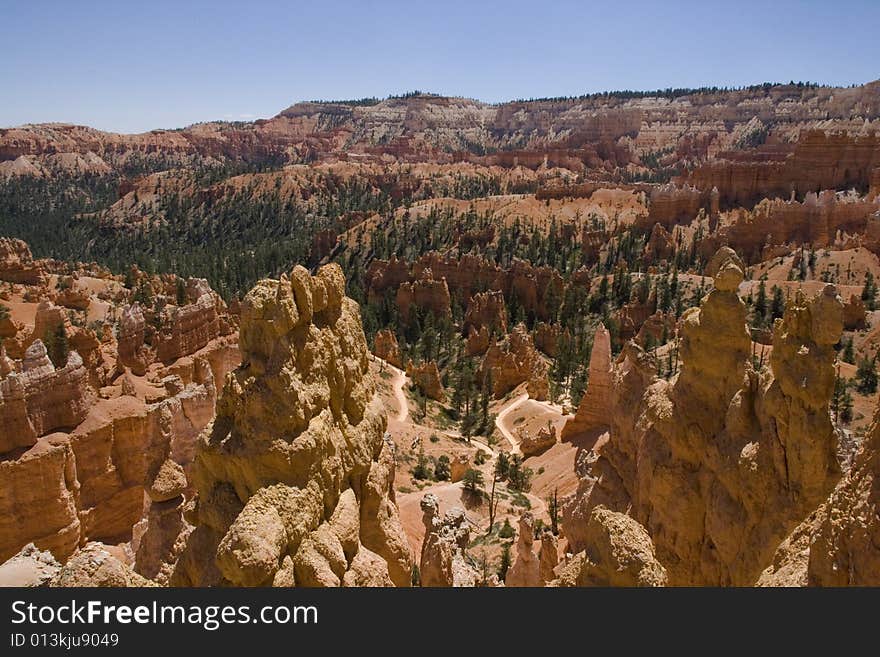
{"x":31,"y":567}
{"x":443,"y":560}
{"x":854,"y":317}
{"x":426,"y":293}
{"x":526,"y":568}
{"x":839,"y":543}
{"x":186,"y":329}
{"x":594,"y":410}
{"x":132,"y":352}
{"x":95,"y":566}
{"x":386,"y":348}
{"x":619,"y":552}
{"x":516,"y":361}
{"x":817,"y":221}
{"x":40,"y":399}
{"x":722,"y":463}
{"x":819,"y":160}
{"x":426,"y":376}
{"x":533,"y":444}
{"x":293,"y":478}
{"x":17,"y":264}
{"x":486,"y":309}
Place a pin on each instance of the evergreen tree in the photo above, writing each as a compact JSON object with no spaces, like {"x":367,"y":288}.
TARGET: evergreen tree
{"x":760,"y":306}
{"x":846,"y":408}
{"x":869,"y":292}
{"x":504,"y":565}
{"x":777,"y":305}
{"x":57,"y":347}
{"x":472,"y":481}
{"x":442,"y":468}
{"x":553,"y":510}
{"x":866,"y":376}
{"x":181,"y":292}
{"x":849,"y":355}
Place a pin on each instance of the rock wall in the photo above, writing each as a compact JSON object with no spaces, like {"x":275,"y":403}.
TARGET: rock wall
{"x":818,"y":221}
{"x":465,"y":277}
{"x":426,"y":293}
{"x":619,"y":552}
{"x":187,"y":329}
{"x":294,"y":477}
{"x":820,"y":160}
{"x":40,"y":399}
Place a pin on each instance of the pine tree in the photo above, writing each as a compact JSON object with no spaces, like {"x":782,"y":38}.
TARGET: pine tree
{"x":504,"y":565}
{"x":777,"y":305}
{"x":181,"y":292}
{"x":866,"y":376}
{"x":849,"y":355}
{"x":472,"y":481}
{"x":553,"y":510}
{"x":869,"y":292}
{"x":57,"y":347}
{"x":846,"y":408}
{"x":760,"y":306}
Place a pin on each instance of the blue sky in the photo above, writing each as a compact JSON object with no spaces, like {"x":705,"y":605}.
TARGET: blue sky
{"x":133,"y":66}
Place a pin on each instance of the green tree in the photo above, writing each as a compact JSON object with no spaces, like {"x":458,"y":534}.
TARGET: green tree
{"x":421,"y":471}
{"x":846,"y":408}
{"x":504,"y":565}
{"x":869,"y":292}
{"x":416,"y":575}
{"x":849,"y":355}
{"x":181,"y":292}
{"x":473,"y":481}
{"x":502,"y":465}
{"x":759,"y":308}
{"x":57,"y":346}
{"x":866,"y":376}
{"x":442,"y":468}
{"x":553,"y":510}
{"x":519,"y":477}
{"x":777,"y":305}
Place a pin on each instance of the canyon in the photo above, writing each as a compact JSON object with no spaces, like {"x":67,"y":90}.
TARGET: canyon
{"x":610,"y":340}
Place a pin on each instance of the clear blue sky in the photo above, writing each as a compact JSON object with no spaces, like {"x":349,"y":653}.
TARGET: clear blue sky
{"x":132,"y":66}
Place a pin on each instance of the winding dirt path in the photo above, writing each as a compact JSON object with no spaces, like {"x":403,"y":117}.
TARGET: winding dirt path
{"x":502,"y":414}
{"x":397,"y":383}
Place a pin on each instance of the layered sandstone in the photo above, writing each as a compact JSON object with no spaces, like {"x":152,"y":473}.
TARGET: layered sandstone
{"x":721,"y":463}
{"x":819,"y":160}
{"x":17,"y":265}
{"x":40,"y":399}
{"x":294,"y":476}
{"x":594,"y":410}
{"x":426,"y":376}
{"x":516,"y":361}
{"x":385,"y":347}
{"x":426,"y":293}
{"x":184,"y":330}
{"x":486,"y":309}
